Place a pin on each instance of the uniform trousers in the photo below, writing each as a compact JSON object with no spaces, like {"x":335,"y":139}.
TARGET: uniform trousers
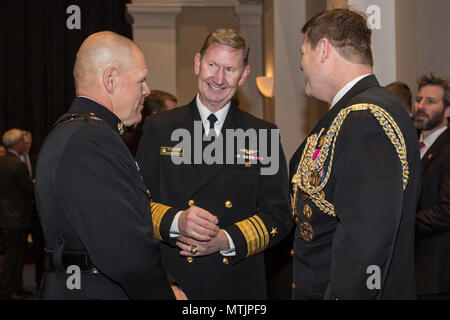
{"x":11,"y":275}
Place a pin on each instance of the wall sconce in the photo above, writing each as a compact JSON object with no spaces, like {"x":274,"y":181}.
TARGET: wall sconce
{"x":265,"y":86}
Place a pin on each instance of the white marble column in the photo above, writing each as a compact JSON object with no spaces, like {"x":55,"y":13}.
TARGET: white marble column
{"x":250,"y":17}
{"x":290,"y":100}
{"x":154,"y":30}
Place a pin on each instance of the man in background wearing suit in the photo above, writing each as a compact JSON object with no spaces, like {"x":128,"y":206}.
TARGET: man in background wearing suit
{"x":431,"y":113}
{"x":250,"y":208}
{"x":355,"y":178}
{"x":93,"y":206}
{"x":16,"y":194}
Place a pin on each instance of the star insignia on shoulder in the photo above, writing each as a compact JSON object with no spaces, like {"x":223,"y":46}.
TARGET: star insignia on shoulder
{"x":273,"y":232}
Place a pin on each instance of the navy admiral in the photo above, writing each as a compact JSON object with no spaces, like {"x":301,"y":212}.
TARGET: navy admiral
{"x":251,"y":209}
{"x":355,"y":179}
{"x":93,"y":205}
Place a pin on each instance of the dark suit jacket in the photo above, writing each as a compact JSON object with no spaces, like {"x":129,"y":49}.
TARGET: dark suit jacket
{"x":254,"y":209}
{"x":433,"y":220}
{"x":375,"y":217}
{"x":91,"y":198}
{"x":16,"y":193}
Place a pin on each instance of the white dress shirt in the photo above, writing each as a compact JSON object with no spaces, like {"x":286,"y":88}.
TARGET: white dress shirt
{"x":220,"y":115}
{"x":346,"y":89}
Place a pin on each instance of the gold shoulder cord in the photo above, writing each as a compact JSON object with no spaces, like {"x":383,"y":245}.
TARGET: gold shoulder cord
{"x":309,"y":168}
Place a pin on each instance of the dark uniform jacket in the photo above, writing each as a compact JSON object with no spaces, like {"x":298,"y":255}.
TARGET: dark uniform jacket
{"x":91,"y":198}
{"x":16,"y":193}
{"x":433,"y":220}
{"x":252,"y":208}
{"x":337,"y":257}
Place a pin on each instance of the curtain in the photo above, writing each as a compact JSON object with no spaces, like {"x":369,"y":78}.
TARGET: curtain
{"x":37,"y":53}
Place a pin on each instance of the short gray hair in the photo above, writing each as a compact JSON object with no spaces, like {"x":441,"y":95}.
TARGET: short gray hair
{"x":11,"y":137}
{"x":227,"y":37}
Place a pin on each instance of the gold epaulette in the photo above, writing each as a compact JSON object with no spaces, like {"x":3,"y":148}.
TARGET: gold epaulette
{"x":157,"y":211}
{"x":311,"y":178}
{"x":255,"y":233}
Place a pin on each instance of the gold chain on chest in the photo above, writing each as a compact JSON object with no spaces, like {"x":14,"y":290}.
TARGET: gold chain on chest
{"x":311,"y":176}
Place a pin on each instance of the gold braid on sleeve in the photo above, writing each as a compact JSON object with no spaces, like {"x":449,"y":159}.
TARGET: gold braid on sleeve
{"x":157,"y":211}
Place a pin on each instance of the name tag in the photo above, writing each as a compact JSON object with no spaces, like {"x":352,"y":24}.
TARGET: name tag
{"x":171,"y":151}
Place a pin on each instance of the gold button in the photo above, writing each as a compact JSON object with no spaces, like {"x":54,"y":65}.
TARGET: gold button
{"x":225,"y":261}
{"x":296,"y":219}
{"x":228,"y":204}
{"x":248,"y":164}
{"x":294,"y":286}
{"x":189,"y":259}
{"x":191,"y":203}
{"x":306,"y":231}
{"x":307,"y":211}
{"x":292,"y":252}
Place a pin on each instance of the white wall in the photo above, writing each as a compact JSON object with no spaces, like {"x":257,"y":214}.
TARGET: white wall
{"x":383,"y":39}
{"x":434,"y":35}
{"x":290,"y":100}
{"x":406,"y":32}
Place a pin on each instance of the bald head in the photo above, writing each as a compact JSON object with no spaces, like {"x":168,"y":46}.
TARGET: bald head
{"x":98,"y":52}
{"x":111,"y":69}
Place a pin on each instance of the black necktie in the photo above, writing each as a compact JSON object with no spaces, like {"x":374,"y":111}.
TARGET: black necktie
{"x":212,"y":120}
{"x":212,"y":133}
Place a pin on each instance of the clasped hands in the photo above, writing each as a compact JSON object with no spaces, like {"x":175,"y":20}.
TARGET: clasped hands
{"x":199,"y":234}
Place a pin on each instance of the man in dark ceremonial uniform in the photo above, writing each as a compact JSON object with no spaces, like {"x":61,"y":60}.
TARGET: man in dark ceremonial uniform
{"x":248,"y":204}
{"x":93,"y":205}
{"x":355,"y":180}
